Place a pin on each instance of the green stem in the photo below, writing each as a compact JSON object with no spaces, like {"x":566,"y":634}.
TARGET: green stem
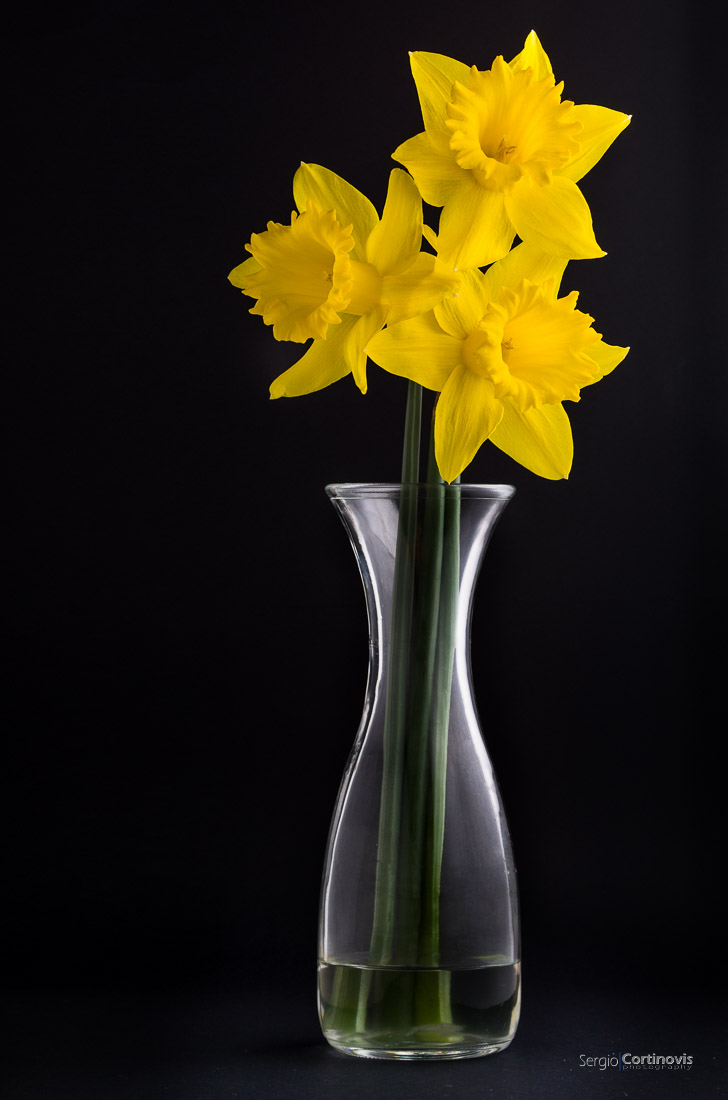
{"x":412,"y":429}
{"x":422,"y":672}
{"x":422,"y":676}
{"x":419,"y":669}
{"x":442,"y":688}
{"x":397,"y":677}
{"x":433,"y":691}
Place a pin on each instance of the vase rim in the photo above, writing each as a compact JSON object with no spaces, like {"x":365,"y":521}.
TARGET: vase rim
{"x":355,"y":489}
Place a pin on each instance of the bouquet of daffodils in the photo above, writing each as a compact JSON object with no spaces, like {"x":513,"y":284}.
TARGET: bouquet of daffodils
{"x":459,"y":311}
{"x":502,"y":154}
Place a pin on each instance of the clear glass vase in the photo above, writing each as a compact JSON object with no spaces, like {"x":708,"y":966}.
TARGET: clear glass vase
{"x":419,"y":934}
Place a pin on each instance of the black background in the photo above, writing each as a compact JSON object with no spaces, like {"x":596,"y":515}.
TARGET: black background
{"x":188,"y":646}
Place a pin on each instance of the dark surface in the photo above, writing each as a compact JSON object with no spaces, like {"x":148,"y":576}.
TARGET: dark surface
{"x":267,"y":1043}
{"x":187,"y":629}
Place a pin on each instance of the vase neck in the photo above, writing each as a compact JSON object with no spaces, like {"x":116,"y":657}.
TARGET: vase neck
{"x":424,"y":537}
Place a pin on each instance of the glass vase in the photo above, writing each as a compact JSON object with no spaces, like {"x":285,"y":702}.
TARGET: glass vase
{"x":419,"y":934}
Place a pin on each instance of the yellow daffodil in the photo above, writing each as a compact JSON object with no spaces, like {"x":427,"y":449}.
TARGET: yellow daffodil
{"x":502,"y":154}
{"x":503,"y":351}
{"x":337,"y":274}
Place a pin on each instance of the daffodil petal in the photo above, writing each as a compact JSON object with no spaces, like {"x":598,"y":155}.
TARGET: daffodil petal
{"x":554,"y":217}
{"x":323,"y":363}
{"x":330,"y":192}
{"x":461,"y":312}
{"x":525,"y":261}
{"x":417,"y":349}
{"x":600,"y":128}
{"x":418,"y":289}
{"x":606,"y":357}
{"x":435,"y":170}
{"x":396,"y":239}
{"x":239,"y":275}
{"x":355,"y":346}
{"x":474,"y":229}
{"x":434,"y":76}
{"x":430,"y":236}
{"x":467,"y":414}
{"x":533,"y":56}
{"x":539,"y":439}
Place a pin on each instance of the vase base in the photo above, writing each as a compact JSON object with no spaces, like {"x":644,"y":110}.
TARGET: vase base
{"x":421,"y":1014}
{"x":465,"y":1047}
